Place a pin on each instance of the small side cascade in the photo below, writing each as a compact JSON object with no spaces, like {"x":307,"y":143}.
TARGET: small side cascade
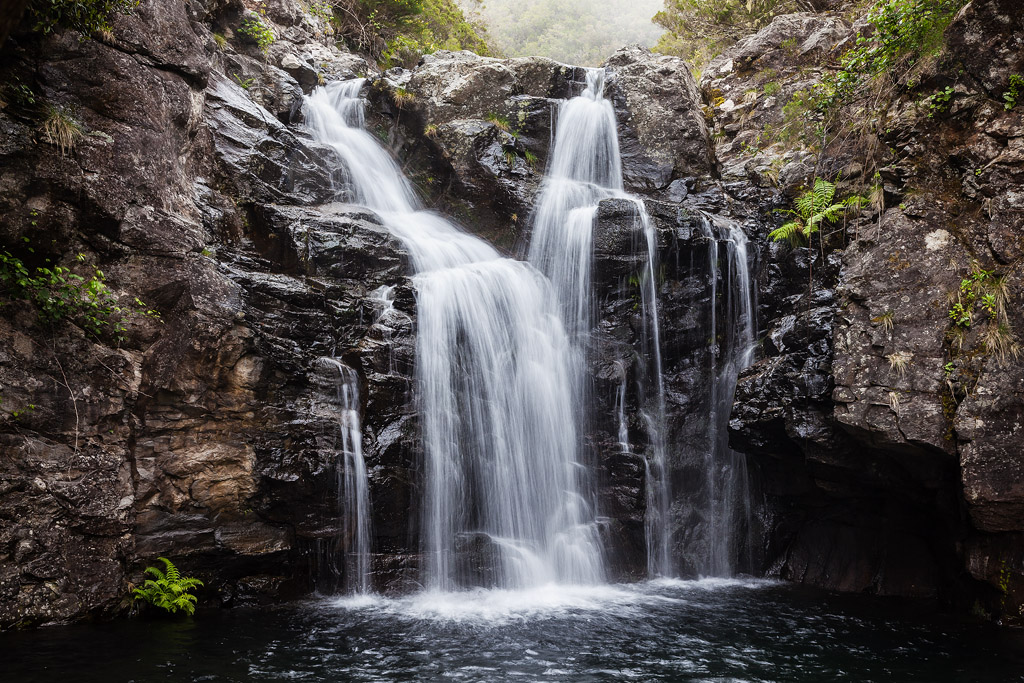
{"x":731,"y":323}
{"x":351,"y":563}
{"x":651,"y":395}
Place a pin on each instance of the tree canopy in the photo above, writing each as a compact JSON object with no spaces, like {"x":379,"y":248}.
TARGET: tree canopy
{"x":584,"y":32}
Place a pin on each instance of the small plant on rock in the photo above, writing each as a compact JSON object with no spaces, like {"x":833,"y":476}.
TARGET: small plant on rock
{"x":500,"y":123}
{"x":168,"y":589}
{"x":939,"y":101}
{"x":899,"y":362}
{"x":257,"y":32}
{"x":402,"y":97}
{"x":815,"y":208}
{"x":989,"y":292}
{"x":1013,"y":95}
{"x":885,"y":320}
{"x":61,"y":129}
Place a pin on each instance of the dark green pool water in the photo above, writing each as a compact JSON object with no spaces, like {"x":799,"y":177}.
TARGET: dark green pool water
{"x":710,"y":630}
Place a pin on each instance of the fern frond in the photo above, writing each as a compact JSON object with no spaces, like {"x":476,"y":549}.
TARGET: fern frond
{"x":793,"y":232}
{"x":856,"y":202}
{"x":155,"y":571}
{"x":824,"y":192}
{"x":171,"y":571}
{"x":806,"y":205}
{"x":831,"y":214}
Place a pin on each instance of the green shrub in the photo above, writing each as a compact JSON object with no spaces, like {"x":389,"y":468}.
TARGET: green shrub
{"x":699,"y":30}
{"x":257,"y":32}
{"x":85,"y":16}
{"x":399,"y":32}
{"x":168,"y":589}
{"x":60,"y":294}
{"x":904,"y":31}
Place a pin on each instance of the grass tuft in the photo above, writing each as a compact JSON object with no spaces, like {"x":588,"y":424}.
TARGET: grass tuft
{"x":62,"y":130}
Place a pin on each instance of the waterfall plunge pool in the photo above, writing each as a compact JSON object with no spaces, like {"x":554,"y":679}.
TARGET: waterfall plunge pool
{"x":709,"y":630}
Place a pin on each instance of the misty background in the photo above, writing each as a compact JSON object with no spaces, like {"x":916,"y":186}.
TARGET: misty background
{"x":584,"y":32}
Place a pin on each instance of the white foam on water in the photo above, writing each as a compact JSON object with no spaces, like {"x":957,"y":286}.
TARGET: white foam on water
{"x":499,"y":607}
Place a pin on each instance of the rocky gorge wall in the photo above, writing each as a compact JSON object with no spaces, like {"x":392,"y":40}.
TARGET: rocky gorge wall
{"x":884,"y":435}
{"x":210,"y":436}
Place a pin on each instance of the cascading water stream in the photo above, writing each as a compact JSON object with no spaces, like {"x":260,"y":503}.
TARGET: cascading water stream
{"x":727,"y":509}
{"x":496,"y":375}
{"x":353,"y":485}
{"x":585,"y":169}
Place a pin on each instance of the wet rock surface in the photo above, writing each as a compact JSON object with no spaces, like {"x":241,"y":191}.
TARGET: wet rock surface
{"x":211,"y":436}
{"x":863,"y":418}
{"x":198,"y":436}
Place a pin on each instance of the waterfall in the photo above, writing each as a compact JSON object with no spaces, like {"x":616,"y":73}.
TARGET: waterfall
{"x":727,"y":507}
{"x":353,"y":485}
{"x":585,"y":169}
{"x":502,"y":501}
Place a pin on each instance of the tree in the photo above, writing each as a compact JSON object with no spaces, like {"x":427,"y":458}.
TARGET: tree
{"x":699,"y":30}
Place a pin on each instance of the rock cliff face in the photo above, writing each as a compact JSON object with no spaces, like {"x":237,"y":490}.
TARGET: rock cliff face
{"x":211,"y":434}
{"x":881,"y":429}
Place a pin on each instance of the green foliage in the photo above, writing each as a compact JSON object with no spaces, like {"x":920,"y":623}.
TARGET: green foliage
{"x":168,"y":589}
{"x":243,"y":83}
{"x":20,"y":95}
{"x":771,"y":88}
{"x":220,"y":40}
{"x":961,"y":312}
{"x":257,"y":32}
{"x":1014,"y":93}
{"x":399,"y":32}
{"x":984,"y":294}
{"x":321,"y":9}
{"x":85,"y":16}
{"x":699,"y":30}
{"x":814,"y":208}
{"x":60,"y":294}
{"x":904,"y":32}
{"x":584,"y":32}
{"x":939,"y":102}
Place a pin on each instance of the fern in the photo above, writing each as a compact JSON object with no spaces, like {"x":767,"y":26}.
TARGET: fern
{"x":168,"y":588}
{"x":814,"y":207}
